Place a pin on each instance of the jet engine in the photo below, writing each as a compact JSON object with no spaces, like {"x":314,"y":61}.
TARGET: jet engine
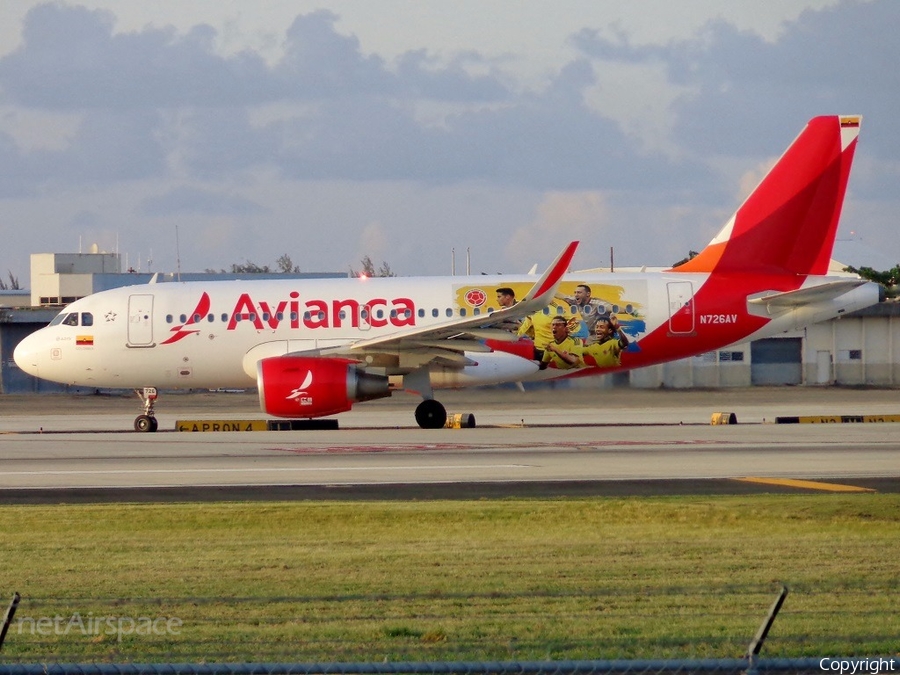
{"x":302,"y":386}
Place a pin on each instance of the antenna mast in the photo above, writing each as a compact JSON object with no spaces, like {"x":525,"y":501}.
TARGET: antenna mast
{"x":177,"y":254}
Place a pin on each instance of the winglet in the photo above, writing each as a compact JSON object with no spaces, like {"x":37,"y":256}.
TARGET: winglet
{"x":542,"y":291}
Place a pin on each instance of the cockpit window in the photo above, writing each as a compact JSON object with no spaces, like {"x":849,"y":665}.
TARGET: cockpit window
{"x":71,"y":319}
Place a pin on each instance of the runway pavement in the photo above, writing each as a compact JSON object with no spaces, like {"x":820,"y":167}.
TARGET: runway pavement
{"x":537,"y":443}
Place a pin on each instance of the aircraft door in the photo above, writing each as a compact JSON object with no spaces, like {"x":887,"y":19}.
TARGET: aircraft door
{"x":140,"y":320}
{"x":681,"y":307}
{"x":364,"y":320}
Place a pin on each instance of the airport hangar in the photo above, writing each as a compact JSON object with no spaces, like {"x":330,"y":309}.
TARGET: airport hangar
{"x":859,"y":349}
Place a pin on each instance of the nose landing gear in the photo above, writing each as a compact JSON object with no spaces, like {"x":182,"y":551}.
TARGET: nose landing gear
{"x":147,"y":421}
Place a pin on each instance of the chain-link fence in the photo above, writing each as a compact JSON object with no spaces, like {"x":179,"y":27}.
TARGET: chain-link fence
{"x":822,"y":665}
{"x":441,"y":628}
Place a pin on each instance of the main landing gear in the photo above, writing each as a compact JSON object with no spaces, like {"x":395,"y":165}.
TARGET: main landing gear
{"x":431,"y":414}
{"x":147,"y":421}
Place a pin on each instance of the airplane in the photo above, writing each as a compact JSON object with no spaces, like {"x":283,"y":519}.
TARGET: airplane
{"x":313,"y":348}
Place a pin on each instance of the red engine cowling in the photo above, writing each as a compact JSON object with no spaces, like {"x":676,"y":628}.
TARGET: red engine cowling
{"x":302,"y":386}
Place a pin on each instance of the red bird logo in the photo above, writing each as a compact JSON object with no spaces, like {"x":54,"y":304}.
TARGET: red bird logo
{"x":199,"y":312}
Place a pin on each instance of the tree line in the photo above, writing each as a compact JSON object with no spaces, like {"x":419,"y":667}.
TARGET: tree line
{"x":12,"y":285}
{"x":284,"y":265}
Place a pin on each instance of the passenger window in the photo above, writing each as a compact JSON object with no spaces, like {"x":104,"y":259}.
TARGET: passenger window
{"x":435,"y":313}
{"x":449,"y":312}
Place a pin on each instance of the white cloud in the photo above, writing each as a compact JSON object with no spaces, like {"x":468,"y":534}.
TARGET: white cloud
{"x":373,"y":242}
{"x":314,"y":131}
{"x":561,"y":217}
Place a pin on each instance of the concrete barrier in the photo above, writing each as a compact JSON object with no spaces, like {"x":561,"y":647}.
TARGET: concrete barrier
{"x":836,"y":419}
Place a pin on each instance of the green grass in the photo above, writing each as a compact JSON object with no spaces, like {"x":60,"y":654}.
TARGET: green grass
{"x":518,"y":579}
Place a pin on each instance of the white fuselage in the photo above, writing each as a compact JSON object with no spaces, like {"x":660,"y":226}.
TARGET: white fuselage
{"x":210,"y":334}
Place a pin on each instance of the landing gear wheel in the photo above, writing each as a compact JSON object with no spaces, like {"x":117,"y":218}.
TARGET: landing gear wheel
{"x":430,"y":414}
{"x":145,"y":423}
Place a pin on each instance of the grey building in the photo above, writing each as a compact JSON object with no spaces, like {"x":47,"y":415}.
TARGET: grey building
{"x":859,"y":349}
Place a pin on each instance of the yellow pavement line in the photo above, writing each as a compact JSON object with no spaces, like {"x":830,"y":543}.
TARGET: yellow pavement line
{"x":808,"y":484}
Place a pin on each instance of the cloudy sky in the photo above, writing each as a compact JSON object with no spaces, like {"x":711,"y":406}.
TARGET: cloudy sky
{"x":403,"y":129}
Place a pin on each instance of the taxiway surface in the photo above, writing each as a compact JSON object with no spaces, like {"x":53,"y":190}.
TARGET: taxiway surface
{"x":571,"y":441}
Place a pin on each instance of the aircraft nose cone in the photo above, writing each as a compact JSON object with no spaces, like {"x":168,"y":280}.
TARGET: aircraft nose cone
{"x":26,"y":355}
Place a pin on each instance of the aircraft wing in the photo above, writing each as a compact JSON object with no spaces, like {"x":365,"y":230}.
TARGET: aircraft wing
{"x":445,"y":341}
{"x":804,"y":296}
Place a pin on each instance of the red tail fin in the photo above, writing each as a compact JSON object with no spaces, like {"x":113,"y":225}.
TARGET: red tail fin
{"x":788,"y":223}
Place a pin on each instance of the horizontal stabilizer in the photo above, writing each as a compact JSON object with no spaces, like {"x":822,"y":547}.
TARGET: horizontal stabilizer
{"x":805,"y":296}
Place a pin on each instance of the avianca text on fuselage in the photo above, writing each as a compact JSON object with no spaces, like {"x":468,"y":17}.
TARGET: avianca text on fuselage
{"x":318,"y":313}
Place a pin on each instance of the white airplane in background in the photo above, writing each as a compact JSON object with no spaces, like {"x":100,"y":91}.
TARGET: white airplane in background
{"x":315,"y":347}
